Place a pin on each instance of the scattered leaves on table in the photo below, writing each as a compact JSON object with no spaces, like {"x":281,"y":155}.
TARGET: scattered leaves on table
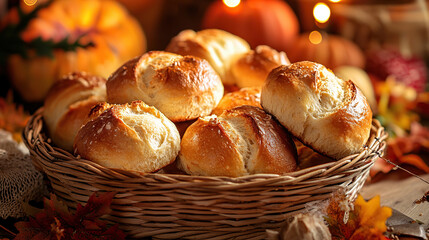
{"x":405,"y":150}
{"x":363,"y":220}
{"x":56,"y":222}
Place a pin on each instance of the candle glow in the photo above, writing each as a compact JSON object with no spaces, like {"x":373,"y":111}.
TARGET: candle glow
{"x":321,"y":12}
{"x":231,"y":3}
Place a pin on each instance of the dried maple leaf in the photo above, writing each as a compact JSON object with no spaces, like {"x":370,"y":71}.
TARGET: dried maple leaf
{"x":56,"y":222}
{"x":405,"y":149}
{"x":366,"y":220}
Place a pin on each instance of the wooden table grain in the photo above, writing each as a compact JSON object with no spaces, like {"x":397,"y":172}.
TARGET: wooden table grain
{"x":400,"y":194}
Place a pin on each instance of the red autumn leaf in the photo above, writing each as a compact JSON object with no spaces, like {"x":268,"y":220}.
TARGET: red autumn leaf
{"x":405,"y":150}
{"x":31,"y":230}
{"x":56,"y":222}
{"x":96,"y":207}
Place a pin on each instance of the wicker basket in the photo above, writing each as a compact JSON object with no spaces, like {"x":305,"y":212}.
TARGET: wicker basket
{"x":171,"y":206}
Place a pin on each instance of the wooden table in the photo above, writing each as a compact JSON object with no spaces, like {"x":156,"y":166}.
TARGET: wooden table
{"x":400,"y":193}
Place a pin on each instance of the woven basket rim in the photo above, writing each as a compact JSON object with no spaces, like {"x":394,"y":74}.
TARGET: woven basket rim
{"x":40,"y":145}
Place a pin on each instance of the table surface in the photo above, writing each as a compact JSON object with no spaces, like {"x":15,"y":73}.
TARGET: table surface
{"x":400,"y":194}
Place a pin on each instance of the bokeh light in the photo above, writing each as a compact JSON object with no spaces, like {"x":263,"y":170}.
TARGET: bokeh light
{"x":315,"y":37}
{"x":321,"y":12}
{"x":231,"y":3}
{"x":30,"y":2}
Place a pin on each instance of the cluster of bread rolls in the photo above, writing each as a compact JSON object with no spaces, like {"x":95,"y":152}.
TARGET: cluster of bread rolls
{"x":171,"y":106}
{"x":229,"y":55}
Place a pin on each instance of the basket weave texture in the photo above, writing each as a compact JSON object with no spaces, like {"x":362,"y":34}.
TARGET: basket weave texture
{"x":172,"y":206}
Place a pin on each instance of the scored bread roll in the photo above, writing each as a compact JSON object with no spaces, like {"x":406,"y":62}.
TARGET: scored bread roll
{"x":246,"y":96}
{"x":181,"y":87}
{"x":218,"y":47}
{"x":132,"y":136}
{"x":241,"y":141}
{"x":252,"y":68}
{"x":68,"y":104}
{"x":323,"y":111}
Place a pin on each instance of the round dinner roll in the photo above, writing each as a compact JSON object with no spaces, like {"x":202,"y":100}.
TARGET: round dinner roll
{"x":217,"y":46}
{"x":241,"y":141}
{"x":324,"y":112}
{"x":181,"y":87}
{"x":252,"y":68}
{"x":132,"y":136}
{"x":245,"y":96}
{"x":68,"y":104}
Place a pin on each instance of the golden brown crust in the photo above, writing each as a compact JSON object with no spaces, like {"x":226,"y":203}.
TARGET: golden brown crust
{"x":324,"y":112}
{"x":244,"y":140}
{"x":68,"y":103}
{"x":206,"y":149}
{"x":252,"y":68}
{"x":132,"y":136}
{"x":181,"y":87}
{"x":246,"y":96}
{"x":218,"y":47}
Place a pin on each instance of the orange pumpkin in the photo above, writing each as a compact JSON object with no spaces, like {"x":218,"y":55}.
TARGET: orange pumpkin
{"x":333,"y":51}
{"x":259,"y":22}
{"x":116,"y":35}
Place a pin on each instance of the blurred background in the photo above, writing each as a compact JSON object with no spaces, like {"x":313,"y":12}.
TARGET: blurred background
{"x":401,"y":26}
{"x":381,"y":45}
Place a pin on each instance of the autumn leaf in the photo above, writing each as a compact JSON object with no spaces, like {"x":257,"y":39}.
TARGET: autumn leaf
{"x":363,"y":220}
{"x":56,"y":222}
{"x":13,"y":118}
{"x":370,"y":213}
{"x":405,"y":150}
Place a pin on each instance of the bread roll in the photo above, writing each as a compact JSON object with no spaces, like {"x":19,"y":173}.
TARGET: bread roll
{"x":323,"y":111}
{"x":252,"y":68}
{"x":132,"y":136}
{"x":218,"y":47}
{"x":241,"y":141}
{"x":68,"y":104}
{"x":244,"y":96}
{"x":181,"y":87}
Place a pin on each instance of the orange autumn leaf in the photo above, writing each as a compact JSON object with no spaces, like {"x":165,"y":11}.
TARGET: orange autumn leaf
{"x":371,"y":214}
{"x":13,"y":118}
{"x":367,"y":220}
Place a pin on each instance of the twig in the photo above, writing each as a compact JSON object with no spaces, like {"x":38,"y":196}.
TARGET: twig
{"x":403,"y":169}
{"x":8,"y":231}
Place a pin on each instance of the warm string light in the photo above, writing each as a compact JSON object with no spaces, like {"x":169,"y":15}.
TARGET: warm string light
{"x":334,"y":1}
{"x":321,"y":12}
{"x":231,"y":3}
